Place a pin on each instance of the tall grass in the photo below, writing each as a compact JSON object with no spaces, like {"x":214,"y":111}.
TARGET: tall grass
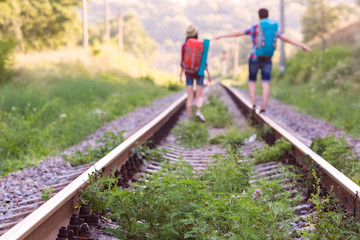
{"x":324,"y":84}
{"x":51,"y":105}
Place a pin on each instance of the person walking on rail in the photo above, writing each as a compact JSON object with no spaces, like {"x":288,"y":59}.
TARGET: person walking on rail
{"x":191,"y":63}
{"x":263,"y":36}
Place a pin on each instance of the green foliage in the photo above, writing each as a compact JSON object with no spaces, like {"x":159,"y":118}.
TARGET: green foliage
{"x":136,"y":39}
{"x":216,"y":112}
{"x":321,"y":18}
{"x":339,"y":154}
{"x":272,"y":153}
{"x":314,"y":67}
{"x":331,"y":222}
{"x":145,"y":153}
{"x":46,"y":193}
{"x":191,"y":134}
{"x":175,"y":203}
{"x":109,"y":141}
{"x":174,"y":87}
{"x":324,"y":85}
{"x":226,"y":175}
{"x":233,"y":134}
{"x":43,"y":118}
{"x":6,"y":50}
{"x":40,"y":24}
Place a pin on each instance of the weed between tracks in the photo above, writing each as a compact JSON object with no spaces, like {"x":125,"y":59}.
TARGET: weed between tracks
{"x":216,"y":112}
{"x":191,"y":134}
{"x":331,"y":220}
{"x":272,"y":153}
{"x":178,"y":203}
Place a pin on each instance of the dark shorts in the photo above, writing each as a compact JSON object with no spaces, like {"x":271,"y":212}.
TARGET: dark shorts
{"x":199,"y":80}
{"x":260,"y":63}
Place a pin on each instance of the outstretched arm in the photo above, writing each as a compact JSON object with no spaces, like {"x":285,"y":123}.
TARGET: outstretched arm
{"x":295,"y":43}
{"x":229,"y":35}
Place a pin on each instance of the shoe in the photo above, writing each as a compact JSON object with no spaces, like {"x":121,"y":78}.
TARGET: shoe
{"x":200,"y":116}
{"x":262,"y":111}
{"x":253,"y":109}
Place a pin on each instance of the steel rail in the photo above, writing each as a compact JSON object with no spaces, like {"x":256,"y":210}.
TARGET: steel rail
{"x":44,"y":223}
{"x":343,"y":187}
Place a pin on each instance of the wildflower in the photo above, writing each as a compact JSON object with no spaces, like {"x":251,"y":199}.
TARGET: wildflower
{"x":63,"y":115}
{"x":264,"y":201}
{"x":257,"y":193}
{"x":232,"y":197}
{"x":206,"y":204}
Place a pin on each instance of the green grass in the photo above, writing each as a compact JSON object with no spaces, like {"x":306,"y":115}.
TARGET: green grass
{"x":216,"y":112}
{"x":44,"y":117}
{"x":323,"y":84}
{"x":177,"y":203}
{"x":191,"y":134}
{"x":339,"y":154}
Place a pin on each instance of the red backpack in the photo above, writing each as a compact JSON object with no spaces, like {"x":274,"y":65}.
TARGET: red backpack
{"x":194,"y":50}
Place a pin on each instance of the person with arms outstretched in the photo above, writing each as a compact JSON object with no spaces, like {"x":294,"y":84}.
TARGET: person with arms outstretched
{"x":263,"y":36}
{"x":191,"y":57}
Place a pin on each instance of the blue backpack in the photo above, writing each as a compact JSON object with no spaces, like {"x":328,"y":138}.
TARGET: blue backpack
{"x":266,"y":39}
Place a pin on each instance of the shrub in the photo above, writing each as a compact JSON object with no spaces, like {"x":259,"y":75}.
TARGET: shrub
{"x":175,"y":203}
{"x":216,"y":112}
{"x":6,"y":49}
{"x":272,"y":153}
{"x":104,"y":146}
{"x":339,"y":154}
{"x":191,"y":134}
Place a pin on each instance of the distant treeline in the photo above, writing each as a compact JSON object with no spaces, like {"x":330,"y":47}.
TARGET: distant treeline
{"x":40,"y":24}
{"x":35,"y":25}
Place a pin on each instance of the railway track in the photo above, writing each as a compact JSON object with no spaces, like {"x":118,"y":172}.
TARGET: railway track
{"x":45,"y":221}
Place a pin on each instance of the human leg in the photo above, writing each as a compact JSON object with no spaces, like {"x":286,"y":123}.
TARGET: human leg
{"x":253,"y":70}
{"x":265,"y":94}
{"x":199,"y":91}
{"x":189,"y":100}
{"x":190,"y":94}
{"x":252,"y":92}
{"x":266,"y":67}
{"x":199,"y":97}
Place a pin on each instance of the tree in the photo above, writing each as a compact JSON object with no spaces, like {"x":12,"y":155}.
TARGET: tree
{"x":321,"y":18}
{"x":40,"y":24}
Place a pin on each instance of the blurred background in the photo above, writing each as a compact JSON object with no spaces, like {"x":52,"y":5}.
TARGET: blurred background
{"x":69,"y":66}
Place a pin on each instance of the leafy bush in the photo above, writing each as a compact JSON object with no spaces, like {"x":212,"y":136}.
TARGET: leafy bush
{"x":323,"y":84}
{"x":191,"y":134}
{"x":104,"y":146}
{"x":6,"y":49}
{"x":304,"y":67}
{"x":226,"y":175}
{"x":339,"y":154}
{"x":174,"y":203}
{"x":216,"y":112}
{"x":331,"y":222}
{"x":145,"y":153}
{"x":272,"y":153}
{"x":233,"y":134}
